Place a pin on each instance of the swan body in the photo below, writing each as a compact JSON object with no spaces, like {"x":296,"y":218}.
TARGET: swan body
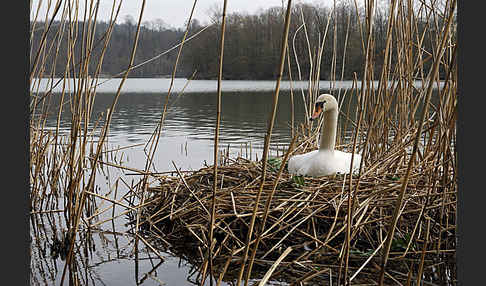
{"x":325,"y":160}
{"x":321,"y":163}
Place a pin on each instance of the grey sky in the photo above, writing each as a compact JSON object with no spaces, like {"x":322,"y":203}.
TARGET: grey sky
{"x":175,"y":12}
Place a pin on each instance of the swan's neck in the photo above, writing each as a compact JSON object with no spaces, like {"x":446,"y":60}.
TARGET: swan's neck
{"x":328,"y":130}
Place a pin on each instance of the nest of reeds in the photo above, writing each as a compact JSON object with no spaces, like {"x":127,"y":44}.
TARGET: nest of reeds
{"x":310,"y":216}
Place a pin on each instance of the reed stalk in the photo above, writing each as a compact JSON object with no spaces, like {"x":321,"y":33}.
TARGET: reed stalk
{"x":267,"y":142}
{"x":351,"y":197}
{"x":156,"y":134}
{"x":216,"y":145}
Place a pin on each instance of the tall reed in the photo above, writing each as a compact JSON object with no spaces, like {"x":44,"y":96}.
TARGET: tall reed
{"x":266,"y":148}
{"x":216,"y":146}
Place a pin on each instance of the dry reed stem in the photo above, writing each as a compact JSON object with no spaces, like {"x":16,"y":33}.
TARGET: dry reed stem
{"x":274,"y":266}
{"x":216,"y":148}
{"x":153,"y":141}
{"x":267,"y":142}
{"x":267,"y":207}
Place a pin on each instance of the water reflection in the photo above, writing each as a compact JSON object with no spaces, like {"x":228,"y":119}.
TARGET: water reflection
{"x":190,"y":123}
{"x":244,"y":115}
{"x":102,"y":257}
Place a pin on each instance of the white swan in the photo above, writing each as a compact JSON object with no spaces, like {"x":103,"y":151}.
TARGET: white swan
{"x":326,"y":160}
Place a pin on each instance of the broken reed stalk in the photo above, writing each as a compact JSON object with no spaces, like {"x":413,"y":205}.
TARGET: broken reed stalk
{"x":266,"y":144}
{"x":274,"y":266}
{"x":216,"y":150}
{"x":83,"y":196}
{"x":310,"y":94}
{"x":431,"y":79}
{"x":154,"y":141}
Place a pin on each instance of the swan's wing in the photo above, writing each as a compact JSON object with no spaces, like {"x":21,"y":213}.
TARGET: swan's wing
{"x":300,"y":162}
{"x":295,"y":162}
{"x":343,"y":162}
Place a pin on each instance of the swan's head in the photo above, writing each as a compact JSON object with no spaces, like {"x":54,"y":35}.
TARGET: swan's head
{"x":324,"y":103}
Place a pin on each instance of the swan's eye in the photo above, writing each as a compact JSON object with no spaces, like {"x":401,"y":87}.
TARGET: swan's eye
{"x":319,"y":104}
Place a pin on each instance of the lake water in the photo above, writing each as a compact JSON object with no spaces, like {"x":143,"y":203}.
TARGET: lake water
{"x":186,"y":141}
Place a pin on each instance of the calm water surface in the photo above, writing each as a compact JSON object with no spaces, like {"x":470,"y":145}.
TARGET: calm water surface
{"x":188,"y":134}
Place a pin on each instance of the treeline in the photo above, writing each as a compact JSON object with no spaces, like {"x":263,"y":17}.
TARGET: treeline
{"x":252,"y":44}
{"x":155,"y":37}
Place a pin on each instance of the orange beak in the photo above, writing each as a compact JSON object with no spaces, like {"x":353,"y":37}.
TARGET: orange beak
{"x":317,"y":112}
